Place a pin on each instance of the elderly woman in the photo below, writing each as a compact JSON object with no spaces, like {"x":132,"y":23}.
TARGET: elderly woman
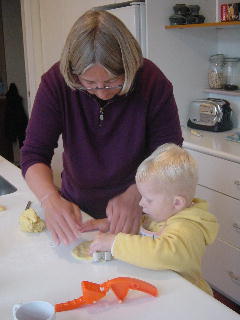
{"x":113,"y":108}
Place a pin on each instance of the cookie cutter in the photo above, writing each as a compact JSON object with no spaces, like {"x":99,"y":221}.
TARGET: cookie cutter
{"x":102,"y":256}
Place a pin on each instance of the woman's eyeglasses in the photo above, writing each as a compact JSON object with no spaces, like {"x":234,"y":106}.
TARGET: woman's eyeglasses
{"x":103,"y":88}
{"x":113,"y":84}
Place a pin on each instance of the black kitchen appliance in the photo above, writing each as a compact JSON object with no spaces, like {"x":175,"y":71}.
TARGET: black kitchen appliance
{"x":186,"y":14}
{"x":210,"y":114}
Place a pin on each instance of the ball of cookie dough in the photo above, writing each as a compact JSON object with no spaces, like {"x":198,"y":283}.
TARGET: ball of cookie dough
{"x":30,"y":221}
{"x":2,"y":208}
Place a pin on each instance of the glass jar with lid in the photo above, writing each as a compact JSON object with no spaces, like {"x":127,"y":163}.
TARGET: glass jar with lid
{"x":231,"y":73}
{"x":215,"y":71}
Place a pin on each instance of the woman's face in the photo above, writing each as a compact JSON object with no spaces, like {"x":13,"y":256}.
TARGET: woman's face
{"x":98,"y":81}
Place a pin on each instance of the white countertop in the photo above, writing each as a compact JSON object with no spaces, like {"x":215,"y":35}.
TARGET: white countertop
{"x":212,"y":143}
{"x":30,"y":269}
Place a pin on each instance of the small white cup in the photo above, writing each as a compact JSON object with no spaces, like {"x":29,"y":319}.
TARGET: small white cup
{"x":34,"y":310}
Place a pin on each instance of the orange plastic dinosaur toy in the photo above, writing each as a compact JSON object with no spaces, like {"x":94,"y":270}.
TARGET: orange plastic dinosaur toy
{"x":92,"y":292}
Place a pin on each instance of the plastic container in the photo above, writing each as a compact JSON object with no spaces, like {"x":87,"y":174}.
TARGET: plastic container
{"x":215,"y":71}
{"x":231,"y":73}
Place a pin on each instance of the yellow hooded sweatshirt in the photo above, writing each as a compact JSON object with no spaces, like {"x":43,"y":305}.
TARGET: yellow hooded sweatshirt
{"x":180,"y":247}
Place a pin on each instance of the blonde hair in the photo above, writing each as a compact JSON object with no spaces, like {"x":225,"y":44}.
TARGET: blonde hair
{"x":172,"y":167}
{"x":100,"y":37}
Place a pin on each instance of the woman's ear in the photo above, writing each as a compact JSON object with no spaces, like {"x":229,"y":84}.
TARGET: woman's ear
{"x":179,"y":203}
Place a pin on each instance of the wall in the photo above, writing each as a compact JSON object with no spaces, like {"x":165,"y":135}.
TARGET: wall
{"x":59,"y":16}
{"x":229,"y":44}
{"x":181,"y":54}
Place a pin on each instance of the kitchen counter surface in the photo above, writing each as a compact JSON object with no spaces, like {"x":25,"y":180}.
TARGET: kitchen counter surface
{"x":212,"y":143}
{"x":32,"y":269}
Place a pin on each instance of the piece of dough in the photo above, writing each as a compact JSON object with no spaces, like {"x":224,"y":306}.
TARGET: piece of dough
{"x":30,"y":221}
{"x":81,"y":252}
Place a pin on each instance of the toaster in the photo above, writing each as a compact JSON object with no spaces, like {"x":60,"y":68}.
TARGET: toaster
{"x":210,"y":114}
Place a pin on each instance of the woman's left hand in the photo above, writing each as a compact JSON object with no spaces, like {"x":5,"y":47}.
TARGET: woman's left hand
{"x":124,"y":212}
{"x":102,"y":242}
{"x":95,"y":224}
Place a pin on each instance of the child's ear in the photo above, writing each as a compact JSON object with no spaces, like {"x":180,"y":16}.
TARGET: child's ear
{"x":179,"y":203}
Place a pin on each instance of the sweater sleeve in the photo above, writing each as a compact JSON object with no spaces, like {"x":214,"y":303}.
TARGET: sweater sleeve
{"x":44,"y":127}
{"x":163,"y":124}
{"x":179,"y":248}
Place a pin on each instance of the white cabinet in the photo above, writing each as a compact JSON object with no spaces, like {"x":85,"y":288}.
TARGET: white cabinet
{"x":219,"y":174}
{"x":219,"y":185}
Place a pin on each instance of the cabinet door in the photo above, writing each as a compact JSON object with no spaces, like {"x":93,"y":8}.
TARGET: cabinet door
{"x":218,"y":174}
{"x":227,"y":211}
{"x":221,"y":269}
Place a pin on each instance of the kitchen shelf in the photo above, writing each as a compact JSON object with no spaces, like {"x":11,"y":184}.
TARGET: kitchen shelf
{"x":235,"y":93}
{"x":217,"y":25}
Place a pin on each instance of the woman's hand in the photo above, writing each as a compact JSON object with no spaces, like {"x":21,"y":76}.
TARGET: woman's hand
{"x":102,"y":242}
{"x":124,"y":212}
{"x":95,"y":224}
{"x":63,"y":218}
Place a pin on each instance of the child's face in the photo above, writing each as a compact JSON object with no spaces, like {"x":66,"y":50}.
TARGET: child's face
{"x":156,"y":201}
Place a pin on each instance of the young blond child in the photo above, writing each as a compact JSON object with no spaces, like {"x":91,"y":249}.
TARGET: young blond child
{"x":179,"y":226}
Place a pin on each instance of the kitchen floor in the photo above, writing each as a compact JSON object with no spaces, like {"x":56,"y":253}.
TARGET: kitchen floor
{"x":226,"y":301}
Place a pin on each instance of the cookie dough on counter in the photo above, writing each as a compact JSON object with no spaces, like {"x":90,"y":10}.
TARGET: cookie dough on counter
{"x":2,"y":208}
{"x":81,"y":252}
{"x":31,"y":222}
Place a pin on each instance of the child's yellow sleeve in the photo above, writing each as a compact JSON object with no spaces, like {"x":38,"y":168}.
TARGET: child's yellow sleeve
{"x":179,"y":248}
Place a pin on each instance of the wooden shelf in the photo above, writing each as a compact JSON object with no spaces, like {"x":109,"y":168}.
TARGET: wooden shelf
{"x":235,"y":93}
{"x":218,"y":25}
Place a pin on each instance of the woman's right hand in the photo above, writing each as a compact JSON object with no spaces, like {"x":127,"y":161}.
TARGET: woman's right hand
{"x":63,"y":218}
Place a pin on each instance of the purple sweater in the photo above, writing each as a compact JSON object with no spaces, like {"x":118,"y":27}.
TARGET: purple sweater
{"x":100,"y":162}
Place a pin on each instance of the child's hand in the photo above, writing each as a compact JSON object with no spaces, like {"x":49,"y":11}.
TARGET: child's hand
{"x":102,"y":242}
{"x":95,"y":224}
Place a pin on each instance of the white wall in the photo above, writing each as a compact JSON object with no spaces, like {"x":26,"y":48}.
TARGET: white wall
{"x":181,"y":54}
{"x":58,"y":17}
{"x":229,"y":45}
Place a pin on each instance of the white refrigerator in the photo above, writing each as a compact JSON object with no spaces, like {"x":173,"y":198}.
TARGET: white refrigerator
{"x":133,"y":15}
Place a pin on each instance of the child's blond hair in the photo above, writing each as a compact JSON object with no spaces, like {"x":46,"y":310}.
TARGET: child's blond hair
{"x":173,"y":167}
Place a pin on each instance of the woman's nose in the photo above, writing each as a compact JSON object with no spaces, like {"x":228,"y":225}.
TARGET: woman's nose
{"x":101,"y":94}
